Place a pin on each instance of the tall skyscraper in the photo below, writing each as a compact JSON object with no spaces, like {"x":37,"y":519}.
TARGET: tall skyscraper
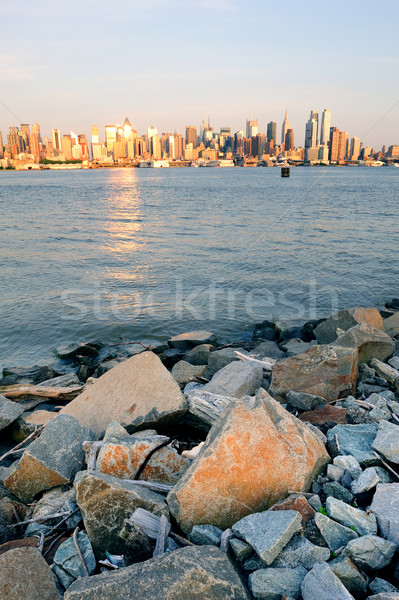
{"x":252,"y":128}
{"x":56,"y":139}
{"x":289,"y":140}
{"x":272,"y":131}
{"x":334,"y":144}
{"x":95,"y":135}
{"x":110,"y":137}
{"x":325,"y":127}
{"x":1,"y":146}
{"x":311,"y":130}
{"x":191,"y":135}
{"x":314,"y":116}
{"x":285,"y":127}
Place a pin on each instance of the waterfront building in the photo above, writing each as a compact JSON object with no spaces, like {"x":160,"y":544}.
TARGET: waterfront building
{"x":325,"y":126}
{"x":323,"y":153}
{"x":191,"y":135}
{"x":285,"y":127}
{"x":342,"y":145}
{"x":272,"y":131}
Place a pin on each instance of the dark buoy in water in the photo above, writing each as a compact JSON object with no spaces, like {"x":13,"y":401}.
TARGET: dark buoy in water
{"x":285,"y":171}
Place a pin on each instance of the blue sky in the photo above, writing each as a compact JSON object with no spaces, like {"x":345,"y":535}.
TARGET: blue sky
{"x":168,"y":62}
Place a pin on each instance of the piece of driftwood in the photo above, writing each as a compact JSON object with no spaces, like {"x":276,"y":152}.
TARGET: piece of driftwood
{"x":26,"y":392}
{"x":64,"y":520}
{"x":386,"y":372}
{"x":78,"y":550}
{"x":180,"y":539}
{"x":226,"y":537}
{"x":267,"y":365}
{"x":148,"y":522}
{"x":164,"y":529}
{"x":40,"y":545}
{"x":42,"y":518}
{"x":161,"y":488}
{"x":204,"y":408}
{"x":91,"y":450}
{"x":18,"y":447}
{"x":386,"y":465}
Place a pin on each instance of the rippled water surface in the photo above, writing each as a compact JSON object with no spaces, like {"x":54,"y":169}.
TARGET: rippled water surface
{"x":148,"y":253}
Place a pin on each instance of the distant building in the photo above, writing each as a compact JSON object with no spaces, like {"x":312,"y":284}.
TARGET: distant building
{"x":56,"y":139}
{"x":311,"y":130}
{"x":252,"y":128}
{"x":289,"y":140}
{"x":271,"y":133}
{"x":191,"y":135}
{"x":325,"y":127}
{"x":354,"y":151}
{"x":334,"y":144}
{"x":285,"y":127}
{"x":393,"y":152}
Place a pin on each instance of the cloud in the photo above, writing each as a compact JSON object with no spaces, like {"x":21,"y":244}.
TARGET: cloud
{"x":17,"y":67}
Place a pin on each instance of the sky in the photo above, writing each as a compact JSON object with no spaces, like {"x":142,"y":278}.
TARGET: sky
{"x":75,"y":63}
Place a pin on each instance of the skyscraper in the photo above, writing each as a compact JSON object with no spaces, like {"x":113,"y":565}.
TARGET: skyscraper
{"x":110,"y":137}
{"x":252,"y":128}
{"x":325,"y":127}
{"x":191,"y":135}
{"x":56,"y":139}
{"x":289,"y":140}
{"x":334,"y":144}
{"x":311,"y":130}
{"x":272,"y":131}
{"x":95,"y":135}
{"x":285,"y":127}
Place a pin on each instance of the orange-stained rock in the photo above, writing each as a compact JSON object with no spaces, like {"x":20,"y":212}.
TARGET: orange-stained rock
{"x":298,"y":503}
{"x":253,"y":455}
{"x":330,"y":329}
{"x":327,"y":371}
{"x":326,"y":414}
{"x":122,"y":455}
{"x":138,"y":393}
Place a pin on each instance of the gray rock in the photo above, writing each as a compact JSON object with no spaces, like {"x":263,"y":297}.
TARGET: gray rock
{"x":349,"y":574}
{"x":348,"y":463}
{"x":195,"y":573}
{"x":330,"y":329}
{"x":221,"y":358}
{"x":25,"y":575}
{"x":199,"y":355}
{"x":68,"y":351}
{"x":323,"y":584}
{"x":254,"y":563}
{"x":369,"y":341}
{"x":370,"y":552}
{"x":394,"y":362}
{"x":68,"y":380}
{"x":299,"y":552}
{"x":9,"y":411}
{"x":355,"y":440}
{"x":384,"y":596}
{"x":335,"y":473}
{"x":68,"y":559}
{"x":272,"y":584}
{"x":315,"y":502}
{"x":105,"y":503}
{"x":385,"y":476}
{"x":241,"y":550}
{"x":205,"y":408}
{"x":268,"y":532}
{"x":336,"y":535}
{"x":34,"y":375}
{"x":385,"y":507}
{"x":304,"y":401}
{"x":367,"y":481}
{"x":349,"y":516}
{"x":205,"y":535}
{"x":336,"y":490}
{"x":52,"y":459}
{"x":380,"y":414}
{"x":377,"y":400}
{"x":296,"y":346}
{"x":377,"y":586}
{"x":236,"y":379}
{"x":187,"y":341}
{"x":393,"y":406}
{"x":267,"y":349}
{"x":183,"y":371}
{"x":387,"y":441}
{"x":64,"y":579}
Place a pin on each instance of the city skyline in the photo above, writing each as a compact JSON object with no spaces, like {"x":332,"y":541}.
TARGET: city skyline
{"x":166,"y":60}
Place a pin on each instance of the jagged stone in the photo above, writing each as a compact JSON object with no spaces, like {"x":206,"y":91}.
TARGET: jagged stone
{"x":272,"y":584}
{"x":105,"y":502}
{"x":241,"y":550}
{"x":237,"y":379}
{"x":363,"y":522}
{"x":391,"y":325}
{"x":336,"y":535}
{"x":349,"y":574}
{"x":385,"y":506}
{"x":370,"y":552}
{"x":337,"y":324}
{"x":200,"y":573}
{"x":387,"y":441}
{"x":67,"y":557}
{"x":355,"y":440}
{"x":187,"y":341}
{"x":9,"y":412}
{"x":252,"y":456}
{"x":205,"y":535}
{"x":366,"y":481}
{"x":138,"y":393}
{"x":199,"y":355}
{"x":323,"y":584}
{"x":304,"y":401}
{"x":298,"y":503}
{"x":26,"y":575}
{"x":52,"y":459}
{"x":184,"y":371}
{"x":326,"y":371}
{"x":369,"y":341}
{"x":300,"y":552}
{"x":379,"y":585}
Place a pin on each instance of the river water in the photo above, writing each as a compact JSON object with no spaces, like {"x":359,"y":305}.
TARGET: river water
{"x":148,"y":253}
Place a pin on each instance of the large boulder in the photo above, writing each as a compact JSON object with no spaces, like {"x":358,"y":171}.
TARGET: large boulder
{"x":25,"y":575}
{"x":190,"y":339}
{"x":329,"y":330}
{"x":252,"y":456}
{"x":52,"y":459}
{"x":237,"y":379}
{"x":105,"y":502}
{"x":196,"y":573}
{"x":391,"y":325}
{"x":369,"y":341}
{"x":138,"y":393}
{"x":122,"y":455}
{"x":326,"y":371}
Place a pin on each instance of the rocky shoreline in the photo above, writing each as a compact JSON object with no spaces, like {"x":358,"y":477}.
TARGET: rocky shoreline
{"x":266,"y":469}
